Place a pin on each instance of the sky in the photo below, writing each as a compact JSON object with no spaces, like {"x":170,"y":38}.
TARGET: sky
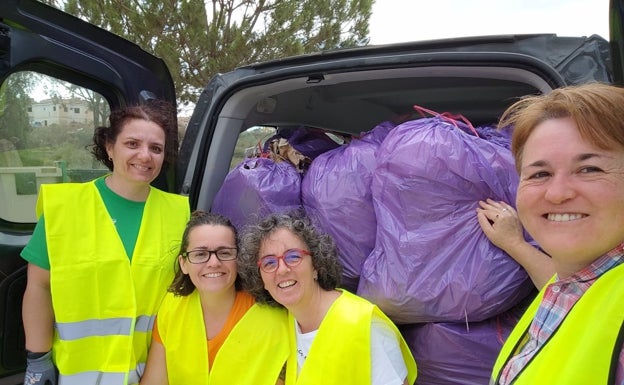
{"x":394,"y":21}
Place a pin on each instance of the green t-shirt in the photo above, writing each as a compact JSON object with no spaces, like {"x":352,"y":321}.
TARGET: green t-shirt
{"x":126,"y":215}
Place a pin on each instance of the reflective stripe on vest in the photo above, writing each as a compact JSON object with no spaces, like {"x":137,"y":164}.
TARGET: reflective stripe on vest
{"x":107,"y":327}
{"x":144,"y":323}
{"x":93,"y":378}
{"x":103,"y":378}
{"x":105,"y":306}
{"x":583,"y":349}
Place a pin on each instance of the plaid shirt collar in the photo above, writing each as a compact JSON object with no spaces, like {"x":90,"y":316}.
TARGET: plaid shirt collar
{"x":559,"y":297}
{"x":597,"y":268}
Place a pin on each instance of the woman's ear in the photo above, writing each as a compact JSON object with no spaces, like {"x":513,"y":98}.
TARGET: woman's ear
{"x":109,"y":150}
{"x":182,"y":263}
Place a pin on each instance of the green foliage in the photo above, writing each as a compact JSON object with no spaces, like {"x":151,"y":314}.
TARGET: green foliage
{"x":58,"y":143}
{"x":15,"y":100}
{"x":198,"y":39}
{"x":47,"y":156}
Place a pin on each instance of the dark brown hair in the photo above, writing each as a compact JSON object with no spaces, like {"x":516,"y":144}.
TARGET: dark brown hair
{"x":182,"y":284}
{"x":158,"y":111}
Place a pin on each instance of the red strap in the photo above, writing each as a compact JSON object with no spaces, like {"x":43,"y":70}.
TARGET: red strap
{"x":447,"y":116}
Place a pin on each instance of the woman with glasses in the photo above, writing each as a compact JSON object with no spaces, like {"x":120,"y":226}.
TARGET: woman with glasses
{"x":208,"y":330}
{"x":335,"y":337}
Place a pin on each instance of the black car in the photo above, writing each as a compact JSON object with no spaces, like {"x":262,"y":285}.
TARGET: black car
{"x":62,"y":75}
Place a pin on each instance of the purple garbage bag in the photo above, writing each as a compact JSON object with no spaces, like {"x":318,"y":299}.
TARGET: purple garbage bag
{"x":501,"y":137}
{"x":431,"y":261}
{"x":256,"y":188}
{"x":458,"y":353}
{"x":336,"y":195}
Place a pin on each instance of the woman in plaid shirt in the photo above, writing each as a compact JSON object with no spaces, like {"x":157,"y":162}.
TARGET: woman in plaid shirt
{"x":569,"y":152}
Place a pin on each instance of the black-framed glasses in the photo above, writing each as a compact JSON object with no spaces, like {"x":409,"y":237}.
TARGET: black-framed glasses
{"x":291,"y":258}
{"x":203,"y":255}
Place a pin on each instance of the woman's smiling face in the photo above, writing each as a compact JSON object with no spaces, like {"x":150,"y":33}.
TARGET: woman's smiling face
{"x":289,"y":286}
{"x":571,"y":195}
{"x":213,"y":275}
{"x":138,"y":152}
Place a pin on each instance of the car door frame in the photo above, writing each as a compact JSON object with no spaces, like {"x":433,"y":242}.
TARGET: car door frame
{"x":37,"y":37}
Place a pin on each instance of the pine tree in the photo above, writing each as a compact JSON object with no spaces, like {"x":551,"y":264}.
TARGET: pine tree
{"x":198,"y":39}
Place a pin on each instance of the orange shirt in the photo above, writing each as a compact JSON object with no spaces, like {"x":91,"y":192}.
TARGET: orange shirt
{"x":242,"y":303}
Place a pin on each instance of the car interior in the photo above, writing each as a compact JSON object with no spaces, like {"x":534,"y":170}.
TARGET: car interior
{"x":351,"y":103}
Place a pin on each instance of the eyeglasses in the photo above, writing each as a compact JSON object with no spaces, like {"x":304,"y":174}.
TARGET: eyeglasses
{"x":291,"y":258}
{"x":203,"y":255}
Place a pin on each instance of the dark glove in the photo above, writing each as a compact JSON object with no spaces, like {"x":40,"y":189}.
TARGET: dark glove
{"x":40,"y":369}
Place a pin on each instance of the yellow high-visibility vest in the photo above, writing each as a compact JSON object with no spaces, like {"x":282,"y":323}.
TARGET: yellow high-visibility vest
{"x":253,"y":353}
{"x":341,"y":351}
{"x":585,"y":348}
{"x":104,"y":306}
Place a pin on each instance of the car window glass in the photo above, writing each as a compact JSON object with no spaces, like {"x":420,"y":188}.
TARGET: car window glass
{"x":254,"y":142}
{"x":250,"y":143}
{"x":46,"y":125}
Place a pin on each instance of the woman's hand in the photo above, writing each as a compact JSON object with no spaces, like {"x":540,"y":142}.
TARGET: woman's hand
{"x":499,"y":222}
{"x":501,"y":225}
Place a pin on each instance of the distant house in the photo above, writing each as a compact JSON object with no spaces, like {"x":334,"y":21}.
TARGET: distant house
{"x":64,"y":112}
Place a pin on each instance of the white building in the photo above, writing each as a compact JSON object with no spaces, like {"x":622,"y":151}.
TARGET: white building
{"x":64,"y":112}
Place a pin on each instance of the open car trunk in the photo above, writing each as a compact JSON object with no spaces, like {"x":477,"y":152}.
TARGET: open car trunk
{"x":349,"y":92}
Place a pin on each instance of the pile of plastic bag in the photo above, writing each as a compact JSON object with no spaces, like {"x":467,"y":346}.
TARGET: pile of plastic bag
{"x":336,"y":194}
{"x":271,"y":182}
{"x":400,"y":202}
{"x":431,"y":261}
{"x":256,"y":188}
{"x":459,"y":353}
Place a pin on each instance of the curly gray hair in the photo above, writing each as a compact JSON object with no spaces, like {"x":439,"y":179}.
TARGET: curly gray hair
{"x":321,"y":246}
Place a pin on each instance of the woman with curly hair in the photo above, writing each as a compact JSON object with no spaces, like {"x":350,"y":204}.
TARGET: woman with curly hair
{"x":335,"y":337}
